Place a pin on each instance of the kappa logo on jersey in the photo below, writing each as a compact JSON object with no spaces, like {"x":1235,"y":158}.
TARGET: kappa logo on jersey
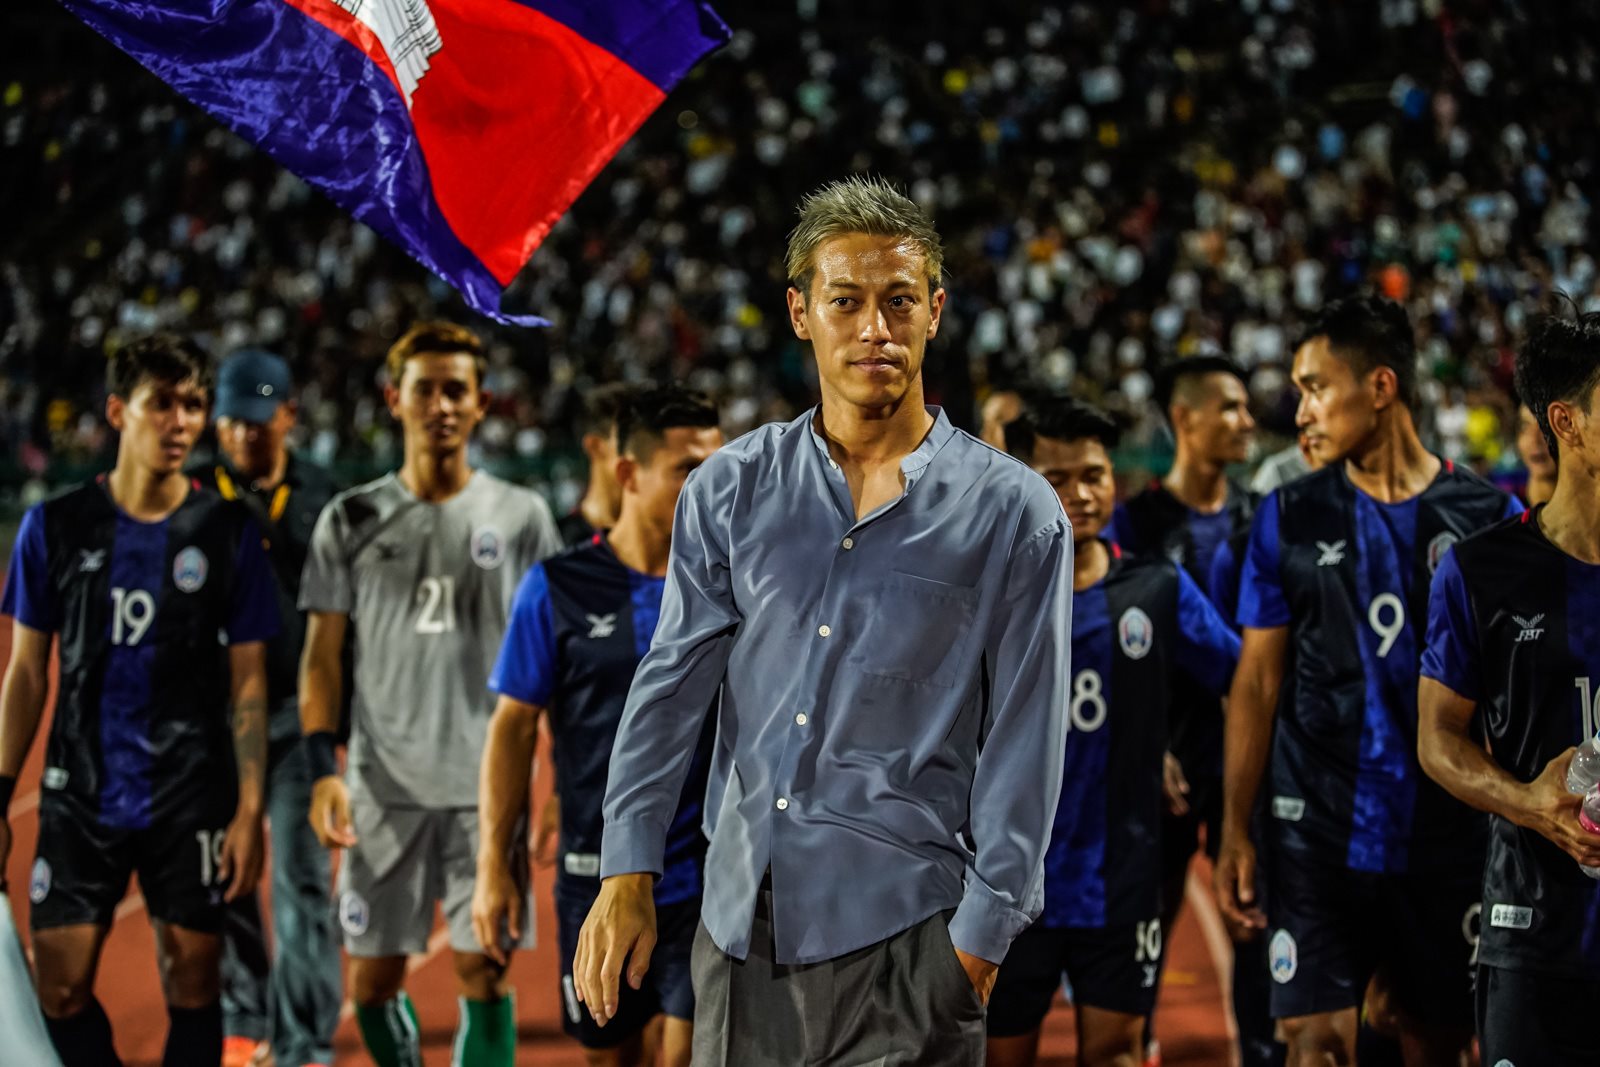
{"x":1135,"y":633}
{"x":601,"y":625}
{"x":1531,"y":630}
{"x":189,"y":570}
{"x":1332,"y":554}
{"x":1283,"y":957}
{"x":488,"y":547}
{"x":91,"y":561}
{"x":39,"y":881}
{"x":1438,"y":547}
{"x":353,"y":914}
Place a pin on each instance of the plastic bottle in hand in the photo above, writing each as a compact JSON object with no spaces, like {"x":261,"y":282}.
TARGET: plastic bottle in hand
{"x":1589,"y":819}
{"x":1583,"y":773}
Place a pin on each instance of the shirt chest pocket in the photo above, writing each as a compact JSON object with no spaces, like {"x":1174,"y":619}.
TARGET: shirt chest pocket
{"x":915,"y":630}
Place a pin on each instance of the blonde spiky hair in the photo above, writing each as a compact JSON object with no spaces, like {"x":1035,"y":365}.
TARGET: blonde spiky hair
{"x":859,"y":204}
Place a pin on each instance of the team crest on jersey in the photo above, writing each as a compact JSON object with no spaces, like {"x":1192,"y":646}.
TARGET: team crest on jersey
{"x":1438,"y":547}
{"x":1283,"y":956}
{"x":1135,"y":633}
{"x":353,"y":914}
{"x":189,"y":570}
{"x":39,"y":881}
{"x":488,"y":547}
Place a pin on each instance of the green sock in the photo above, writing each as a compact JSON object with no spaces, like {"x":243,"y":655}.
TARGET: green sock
{"x":487,"y":1035}
{"x":390,"y":1032}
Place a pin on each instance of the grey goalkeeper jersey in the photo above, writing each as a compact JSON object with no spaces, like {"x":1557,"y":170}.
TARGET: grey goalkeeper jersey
{"x":427,"y":588}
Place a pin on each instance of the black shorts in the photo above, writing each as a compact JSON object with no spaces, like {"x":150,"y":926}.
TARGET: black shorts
{"x":1116,"y":968}
{"x":1527,"y":1018}
{"x":81,"y":870}
{"x":668,"y":988}
{"x":1331,"y":928}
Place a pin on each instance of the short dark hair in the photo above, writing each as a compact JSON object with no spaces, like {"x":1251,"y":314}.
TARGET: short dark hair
{"x":435,"y":338}
{"x":1171,"y":379}
{"x":1368,"y":332}
{"x":648,"y":413}
{"x":1060,"y":419}
{"x":601,"y":407}
{"x":1559,"y":361}
{"x":166,"y":358}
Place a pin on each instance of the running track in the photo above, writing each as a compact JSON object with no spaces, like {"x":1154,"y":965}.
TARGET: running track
{"x":1192,"y":1021}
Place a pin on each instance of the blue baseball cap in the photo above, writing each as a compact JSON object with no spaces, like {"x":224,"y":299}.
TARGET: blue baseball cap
{"x":251,"y":386}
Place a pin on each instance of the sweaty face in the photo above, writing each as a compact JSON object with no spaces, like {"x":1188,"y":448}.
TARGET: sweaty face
{"x":159,"y":422}
{"x":1338,"y":411}
{"x":253,"y":447}
{"x":1531,"y":446}
{"x":654,"y":484}
{"x":438,"y":401}
{"x":869,"y":317}
{"x":1083,"y":478}
{"x":1219,"y":418}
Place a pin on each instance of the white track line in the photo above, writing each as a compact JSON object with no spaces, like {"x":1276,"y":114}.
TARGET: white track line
{"x":1220,"y":947}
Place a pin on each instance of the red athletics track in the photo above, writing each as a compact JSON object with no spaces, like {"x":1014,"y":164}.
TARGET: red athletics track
{"x":1192,"y":1021}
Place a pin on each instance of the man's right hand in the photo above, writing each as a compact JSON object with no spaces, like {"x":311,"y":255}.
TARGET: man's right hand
{"x":1235,"y":881}
{"x":496,"y":900}
{"x":621,"y":927}
{"x":1551,"y":811}
{"x":330,"y":813}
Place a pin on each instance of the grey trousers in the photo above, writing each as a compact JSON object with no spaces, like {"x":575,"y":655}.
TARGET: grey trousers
{"x":903,"y":1002}
{"x":293,"y":995}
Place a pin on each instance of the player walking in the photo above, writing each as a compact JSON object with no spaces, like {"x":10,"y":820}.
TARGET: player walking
{"x":580,"y":624}
{"x":1140,"y":630}
{"x":423,"y":562}
{"x":162,"y":598}
{"x":1513,"y":655}
{"x":1370,"y":864}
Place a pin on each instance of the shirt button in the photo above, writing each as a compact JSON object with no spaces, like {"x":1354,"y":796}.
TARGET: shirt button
{"x":824,"y":631}
{"x":849,"y":543}
{"x":800,"y":719}
{"x":783,"y":803}
{"x":832,"y":464}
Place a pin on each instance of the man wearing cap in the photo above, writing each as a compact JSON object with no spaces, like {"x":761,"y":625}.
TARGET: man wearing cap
{"x":294,"y":1001}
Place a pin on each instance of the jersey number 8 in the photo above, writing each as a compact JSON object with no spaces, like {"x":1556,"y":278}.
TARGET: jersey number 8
{"x":1088,"y":705}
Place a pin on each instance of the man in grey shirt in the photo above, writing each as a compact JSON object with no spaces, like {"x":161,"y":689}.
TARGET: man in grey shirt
{"x":883,"y":602}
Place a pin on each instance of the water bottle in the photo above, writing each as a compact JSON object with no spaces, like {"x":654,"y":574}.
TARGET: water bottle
{"x":1583,"y":773}
{"x":1589,"y":819}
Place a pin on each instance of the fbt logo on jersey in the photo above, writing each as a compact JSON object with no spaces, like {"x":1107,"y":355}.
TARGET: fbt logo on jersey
{"x":1531,"y":630}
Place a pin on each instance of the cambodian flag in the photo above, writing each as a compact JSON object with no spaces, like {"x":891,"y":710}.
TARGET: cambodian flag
{"x":459,"y":129}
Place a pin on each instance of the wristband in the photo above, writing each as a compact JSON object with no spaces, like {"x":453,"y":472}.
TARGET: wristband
{"x":8,"y":785}
{"x":320,"y":755}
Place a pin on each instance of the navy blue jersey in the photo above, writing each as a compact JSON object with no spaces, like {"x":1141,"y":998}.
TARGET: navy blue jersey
{"x":1514,"y":625}
{"x":1348,"y":576}
{"x":144,"y":612}
{"x":580,"y":624}
{"x":1136,"y":636}
{"x":1157,"y":524}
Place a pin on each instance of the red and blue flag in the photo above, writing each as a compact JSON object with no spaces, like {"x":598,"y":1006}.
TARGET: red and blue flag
{"x":459,"y":129}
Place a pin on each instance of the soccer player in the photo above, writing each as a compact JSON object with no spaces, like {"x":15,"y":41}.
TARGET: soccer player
{"x":293,"y":1000}
{"x":423,"y":562}
{"x":1370,"y":864}
{"x":882,"y":603}
{"x":597,"y":510}
{"x":1141,"y":628}
{"x":580,"y":624}
{"x":1185,"y":517}
{"x":161,"y":595}
{"x":1513,"y":656}
{"x":1536,"y":457}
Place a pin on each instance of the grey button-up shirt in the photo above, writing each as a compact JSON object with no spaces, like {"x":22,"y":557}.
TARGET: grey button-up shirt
{"x":886,"y":684}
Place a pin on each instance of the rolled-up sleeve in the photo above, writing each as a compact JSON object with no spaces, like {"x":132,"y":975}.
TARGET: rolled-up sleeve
{"x":676,"y":682}
{"x":1020,"y":764}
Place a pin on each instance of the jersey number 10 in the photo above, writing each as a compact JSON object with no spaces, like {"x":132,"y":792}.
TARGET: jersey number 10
{"x":1589,"y":699}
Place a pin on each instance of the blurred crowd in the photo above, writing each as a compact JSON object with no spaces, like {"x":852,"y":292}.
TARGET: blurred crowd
{"x":1118,"y":185}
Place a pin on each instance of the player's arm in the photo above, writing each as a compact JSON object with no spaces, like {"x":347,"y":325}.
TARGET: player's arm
{"x":502,"y":799}
{"x":242,"y":845}
{"x":321,"y":690}
{"x":1016,"y":785}
{"x":1252,"y":705}
{"x":22,"y":696}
